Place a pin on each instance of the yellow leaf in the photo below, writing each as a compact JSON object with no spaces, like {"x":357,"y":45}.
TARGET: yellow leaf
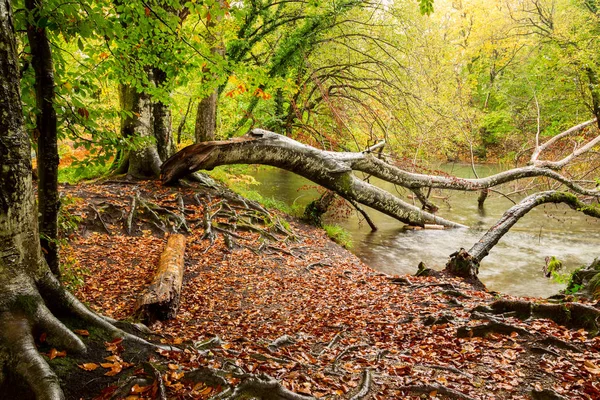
{"x":591,"y":367}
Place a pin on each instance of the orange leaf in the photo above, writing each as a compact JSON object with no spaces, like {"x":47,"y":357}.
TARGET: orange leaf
{"x":114,"y":370}
{"x":55,"y":353}
{"x":88,"y":366}
{"x":140,"y":389}
{"x":82,"y":332}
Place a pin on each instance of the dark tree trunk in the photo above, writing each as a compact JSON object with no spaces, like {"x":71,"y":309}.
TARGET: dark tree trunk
{"x":163,"y":131}
{"x":47,"y":149}
{"x":141,"y":161}
{"x":29,"y":289}
{"x":181,"y":126}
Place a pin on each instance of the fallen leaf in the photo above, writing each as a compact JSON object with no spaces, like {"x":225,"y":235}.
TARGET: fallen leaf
{"x":88,"y":366}
{"x":591,"y":367}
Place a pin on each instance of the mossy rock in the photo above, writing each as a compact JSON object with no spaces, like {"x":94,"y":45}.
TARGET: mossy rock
{"x":586,"y":281}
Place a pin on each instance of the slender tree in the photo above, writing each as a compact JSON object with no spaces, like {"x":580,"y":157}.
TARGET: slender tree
{"x":29,"y":289}
{"x":46,"y":129}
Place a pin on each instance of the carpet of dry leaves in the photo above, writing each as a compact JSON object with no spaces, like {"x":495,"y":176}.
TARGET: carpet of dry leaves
{"x":307,"y":312}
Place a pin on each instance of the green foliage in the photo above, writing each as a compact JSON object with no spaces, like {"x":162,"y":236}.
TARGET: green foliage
{"x":79,"y":172}
{"x":68,"y":222}
{"x":553,"y":265}
{"x":495,"y":126}
{"x":339,"y":235}
{"x":426,"y":6}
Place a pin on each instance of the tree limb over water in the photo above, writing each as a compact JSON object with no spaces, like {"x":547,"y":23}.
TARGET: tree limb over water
{"x":334,"y":171}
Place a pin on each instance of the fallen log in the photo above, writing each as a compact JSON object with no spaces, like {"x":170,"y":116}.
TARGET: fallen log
{"x":160,"y":300}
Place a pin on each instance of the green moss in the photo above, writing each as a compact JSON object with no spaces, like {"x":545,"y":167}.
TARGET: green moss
{"x":594,"y":286}
{"x":28,"y":304}
{"x":345,"y":184}
{"x":63,"y":365}
{"x":339,"y":235}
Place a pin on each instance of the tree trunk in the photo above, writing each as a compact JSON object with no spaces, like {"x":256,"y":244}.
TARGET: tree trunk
{"x":163,"y":131}
{"x":141,"y":161}
{"x":206,"y":115}
{"x":206,"y":118}
{"x":47,"y":149}
{"x":28,"y":287}
{"x":329,"y":169}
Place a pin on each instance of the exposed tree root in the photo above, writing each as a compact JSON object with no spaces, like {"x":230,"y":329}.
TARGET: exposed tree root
{"x":546,"y":394}
{"x":490,"y":327}
{"x":251,"y":386}
{"x":365,"y":386}
{"x":439,"y":389}
{"x":266,"y":388}
{"x":571,"y":315}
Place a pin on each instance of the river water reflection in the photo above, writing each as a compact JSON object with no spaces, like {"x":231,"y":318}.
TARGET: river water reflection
{"x":514,"y":266}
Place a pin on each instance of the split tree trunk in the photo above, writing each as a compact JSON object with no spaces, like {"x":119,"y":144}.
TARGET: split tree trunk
{"x":143,"y":161}
{"x":46,"y":127}
{"x":160,"y":300}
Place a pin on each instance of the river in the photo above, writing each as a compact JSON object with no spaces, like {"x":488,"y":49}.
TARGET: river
{"x":515,"y":264}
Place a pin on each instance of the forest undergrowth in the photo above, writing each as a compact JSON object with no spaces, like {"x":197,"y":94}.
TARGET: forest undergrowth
{"x":267,"y":294}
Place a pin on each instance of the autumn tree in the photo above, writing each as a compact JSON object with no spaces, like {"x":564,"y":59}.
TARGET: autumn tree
{"x":31,"y":294}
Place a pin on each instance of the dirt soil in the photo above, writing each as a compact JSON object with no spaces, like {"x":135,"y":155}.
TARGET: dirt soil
{"x":288,"y":302}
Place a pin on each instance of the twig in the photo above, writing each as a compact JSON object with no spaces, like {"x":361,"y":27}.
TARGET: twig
{"x":101,"y":220}
{"x":131,"y":213}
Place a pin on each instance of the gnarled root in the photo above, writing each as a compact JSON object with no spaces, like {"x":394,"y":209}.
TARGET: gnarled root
{"x":30,"y":308}
{"x":443,"y":390}
{"x":571,"y":315}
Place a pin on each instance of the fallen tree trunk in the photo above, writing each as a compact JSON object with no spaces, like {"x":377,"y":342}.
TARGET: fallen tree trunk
{"x":332,"y":170}
{"x":466,"y":263}
{"x":160,"y":300}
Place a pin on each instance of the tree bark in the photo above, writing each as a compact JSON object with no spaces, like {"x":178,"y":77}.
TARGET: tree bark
{"x":163,"y":130}
{"x":28,"y":287}
{"x":141,"y":161}
{"x":46,"y":125}
{"x":206,"y":114}
{"x":329,"y":169}
{"x":160,"y":300}
{"x":206,"y":118}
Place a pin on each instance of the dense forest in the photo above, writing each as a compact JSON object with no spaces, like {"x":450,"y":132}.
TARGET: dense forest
{"x":112,"y":112}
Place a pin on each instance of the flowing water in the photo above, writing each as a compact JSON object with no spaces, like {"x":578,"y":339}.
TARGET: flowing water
{"x":514,"y":265}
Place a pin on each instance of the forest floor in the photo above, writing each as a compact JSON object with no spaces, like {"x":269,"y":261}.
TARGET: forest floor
{"x":280,"y":298}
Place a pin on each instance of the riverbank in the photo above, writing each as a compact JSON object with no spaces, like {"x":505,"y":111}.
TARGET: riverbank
{"x":292,"y":304}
